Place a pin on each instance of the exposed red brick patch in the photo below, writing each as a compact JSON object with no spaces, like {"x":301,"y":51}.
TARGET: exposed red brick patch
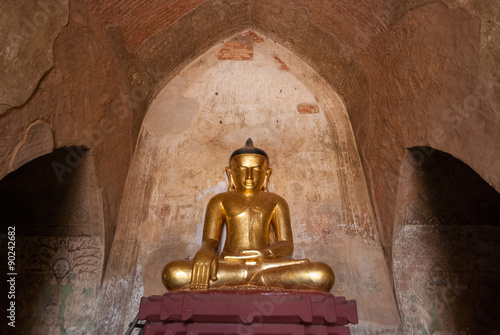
{"x":283,"y":66}
{"x":252,"y":35}
{"x":308,"y":108}
{"x":233,"y":50}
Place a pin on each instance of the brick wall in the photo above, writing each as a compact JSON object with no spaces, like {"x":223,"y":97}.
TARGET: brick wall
{"x":140,"y":20}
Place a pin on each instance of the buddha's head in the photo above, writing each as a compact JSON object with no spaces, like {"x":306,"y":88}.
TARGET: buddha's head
{"x":248,"y":169}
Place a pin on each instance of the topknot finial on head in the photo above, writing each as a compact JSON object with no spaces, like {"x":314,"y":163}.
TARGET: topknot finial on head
{"x":249,"y":149}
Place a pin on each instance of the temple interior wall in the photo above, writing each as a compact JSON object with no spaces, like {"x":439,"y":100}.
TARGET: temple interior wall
{"x":408,"y":73}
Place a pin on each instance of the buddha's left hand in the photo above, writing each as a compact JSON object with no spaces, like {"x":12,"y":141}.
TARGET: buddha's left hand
{"x":251,"y":254}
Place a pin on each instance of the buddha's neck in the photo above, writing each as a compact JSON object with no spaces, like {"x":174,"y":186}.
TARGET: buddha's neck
{"x":249,"y":193}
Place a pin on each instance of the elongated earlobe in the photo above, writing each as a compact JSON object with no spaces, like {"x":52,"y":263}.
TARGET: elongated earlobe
{"x":266,"y":181}
{"x":230,"y":182}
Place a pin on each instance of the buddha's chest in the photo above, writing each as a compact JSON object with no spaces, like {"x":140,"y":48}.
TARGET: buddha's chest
{"x":250,"y":212}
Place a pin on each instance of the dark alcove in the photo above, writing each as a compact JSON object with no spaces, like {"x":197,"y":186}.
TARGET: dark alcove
{"x":41,"y":198}
{"x":446,"y":246}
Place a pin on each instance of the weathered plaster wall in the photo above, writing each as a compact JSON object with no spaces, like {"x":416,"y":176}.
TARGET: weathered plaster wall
{"x":250,"y":86}
{"x":29,"y":29}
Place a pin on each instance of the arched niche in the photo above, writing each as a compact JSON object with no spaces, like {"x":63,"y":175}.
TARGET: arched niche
{"x":54,"y":208}
{"x":250,"y":86}
{"x":446,"y":246}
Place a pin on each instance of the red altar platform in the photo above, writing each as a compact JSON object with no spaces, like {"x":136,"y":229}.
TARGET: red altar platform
{"x":247,"y":312}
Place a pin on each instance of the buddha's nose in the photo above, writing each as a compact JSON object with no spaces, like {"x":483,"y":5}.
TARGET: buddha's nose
{"x":249,"y":175}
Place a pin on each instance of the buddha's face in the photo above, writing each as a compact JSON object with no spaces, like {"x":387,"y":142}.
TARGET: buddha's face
{"x":248,"y":172}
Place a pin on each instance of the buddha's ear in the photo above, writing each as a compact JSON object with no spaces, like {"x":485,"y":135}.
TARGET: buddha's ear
{"x":230,"y":182}
{"x":266,"y":181}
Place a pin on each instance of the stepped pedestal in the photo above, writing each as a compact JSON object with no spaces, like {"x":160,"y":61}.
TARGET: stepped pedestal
{"x":247,"y":312}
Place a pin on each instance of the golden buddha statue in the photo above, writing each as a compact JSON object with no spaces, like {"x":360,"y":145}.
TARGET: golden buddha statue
{"x":259,"y":239}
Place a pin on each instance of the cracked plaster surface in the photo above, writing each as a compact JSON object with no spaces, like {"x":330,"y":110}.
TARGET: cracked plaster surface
{"x":29,"y":29}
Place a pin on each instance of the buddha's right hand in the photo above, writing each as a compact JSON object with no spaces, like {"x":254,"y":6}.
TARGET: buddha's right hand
{"x":205,"y":266}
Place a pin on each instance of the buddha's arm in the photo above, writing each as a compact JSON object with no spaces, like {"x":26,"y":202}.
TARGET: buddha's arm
{"x":280,"y":221}
{"x":205,"y":263}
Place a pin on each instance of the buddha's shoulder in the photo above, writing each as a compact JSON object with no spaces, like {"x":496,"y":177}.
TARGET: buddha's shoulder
{"x":219,"y":197}
{"x":223,"y":197}
{"x":272,"y":199}
{"x":272,"y":195}
{"x":279,"y":200}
